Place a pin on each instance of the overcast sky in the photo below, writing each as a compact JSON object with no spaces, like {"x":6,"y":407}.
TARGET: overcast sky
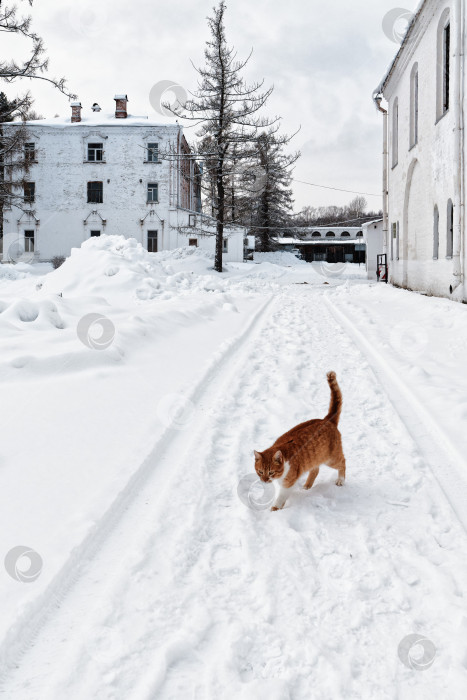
{"x":323,"y":58}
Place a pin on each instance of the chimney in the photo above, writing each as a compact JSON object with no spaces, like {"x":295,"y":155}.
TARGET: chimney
{"x":76,"y":112}
{"x":96,"y":108}
{"x":121,"y":106}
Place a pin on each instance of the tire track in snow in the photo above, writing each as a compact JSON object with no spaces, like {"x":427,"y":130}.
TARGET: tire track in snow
{"x":447,"y":465}
{"x":35,"y":615}
{"x":207,"y":599}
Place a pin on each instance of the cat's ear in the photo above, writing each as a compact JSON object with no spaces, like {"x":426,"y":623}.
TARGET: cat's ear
{"x":258,"y":455}
{"x":278,"y":457}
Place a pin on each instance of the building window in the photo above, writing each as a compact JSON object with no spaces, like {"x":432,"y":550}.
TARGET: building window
{"x":153,"y":189}
{"x":446,"y":65}
{"x":359,"y":234}
{"x":316,"y":234}
{"x":450,"y":230}
{"x":152,"y":241}
{"x":29,"y":241}
{"x":395,"y":132}
{"x":443,"y":65}
{"x":225,"y":246}
{"x":414,"y":106}
{"x":95,"y":233}
{"x":95,"y":192}
{"x":29,"y":189}
{"x":95,"y":152}
{"x":153,"y":152}
{"x":346,"y":234}
{"x":435,"y":233}
{"x":393,"y":239}
{"x":193,"y":241}
{"x":29,"y":152}
{"x":330,"y":234}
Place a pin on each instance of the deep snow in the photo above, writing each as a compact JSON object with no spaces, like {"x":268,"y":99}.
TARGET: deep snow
{"x":120,"y":467}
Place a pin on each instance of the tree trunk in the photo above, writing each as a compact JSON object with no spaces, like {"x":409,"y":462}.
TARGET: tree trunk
{"x":220,"y":220}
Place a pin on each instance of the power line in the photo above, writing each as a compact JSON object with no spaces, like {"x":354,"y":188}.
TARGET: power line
{"x":337,"y":189}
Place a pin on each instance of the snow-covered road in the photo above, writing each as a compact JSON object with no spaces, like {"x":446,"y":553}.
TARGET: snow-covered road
{"x":185,"y":593}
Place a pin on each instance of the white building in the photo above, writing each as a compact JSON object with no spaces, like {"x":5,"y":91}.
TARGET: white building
{"x":426,"y":163}
{"x":114,"y":174}
{"x":330,"y":244}
{"x":373,"y":237}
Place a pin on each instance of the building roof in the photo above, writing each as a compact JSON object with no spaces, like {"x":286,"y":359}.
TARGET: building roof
{"x":320,"y":241}
{"x":410,"y":28}
{"x":95,"y":119}
{"x":375,"y":221}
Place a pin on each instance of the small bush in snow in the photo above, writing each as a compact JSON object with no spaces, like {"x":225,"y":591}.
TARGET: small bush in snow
{"x":58,"y":260}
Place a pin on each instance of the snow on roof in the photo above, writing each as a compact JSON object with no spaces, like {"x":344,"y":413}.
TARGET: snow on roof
{"x":319,"y":241}
{"x":95,"y":119}
{"x":306,"y":229}
{"x":375,"y":221}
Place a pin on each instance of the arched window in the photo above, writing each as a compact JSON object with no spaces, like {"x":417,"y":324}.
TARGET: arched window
{"x":443,"y":64}
{"x":316,"y":234}
{"x":360,"y":234}
{"x":450,"y":230}
{"x":435,"y":233}
{"x":345,"y":234}
{"x":330,"y":234}
{"x":414,"y":106}
{"x":395,"y":132}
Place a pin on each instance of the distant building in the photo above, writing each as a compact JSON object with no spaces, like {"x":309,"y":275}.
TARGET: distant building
{"x":115,"y":174}
{"x":426,"y":163}
{"x":330,"y":244}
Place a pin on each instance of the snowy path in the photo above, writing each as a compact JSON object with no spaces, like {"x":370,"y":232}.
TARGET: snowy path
{"x":441,"y":453}
{"x":191,"y":595}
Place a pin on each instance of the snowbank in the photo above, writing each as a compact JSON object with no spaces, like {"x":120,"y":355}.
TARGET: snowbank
{"x":120,"y":461}
{"x":279,"y":257}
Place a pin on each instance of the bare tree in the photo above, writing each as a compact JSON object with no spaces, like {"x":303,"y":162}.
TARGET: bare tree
{"x":36,"y":64}
{"x":225,"y":108}
{"x":14,"y":162}
{"x":14,"y":158}
{"x":351,"y":214}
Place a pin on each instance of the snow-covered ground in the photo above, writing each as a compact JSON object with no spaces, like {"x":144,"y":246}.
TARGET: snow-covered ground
{"x":135,"y":388}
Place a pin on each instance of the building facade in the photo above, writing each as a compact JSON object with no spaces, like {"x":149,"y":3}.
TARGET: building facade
{"x":425,"y":158}
{"x":373,"y":237}
{"x":330,"y":244}
{"x":115,"y":174}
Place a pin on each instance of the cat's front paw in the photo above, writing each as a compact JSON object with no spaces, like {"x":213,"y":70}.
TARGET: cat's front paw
{"x":275,"y":508}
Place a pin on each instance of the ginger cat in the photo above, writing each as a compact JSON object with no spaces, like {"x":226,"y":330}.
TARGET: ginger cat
{"x":304,"y":449}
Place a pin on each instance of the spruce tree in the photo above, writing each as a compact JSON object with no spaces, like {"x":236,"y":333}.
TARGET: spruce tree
{"x":226,"y":108}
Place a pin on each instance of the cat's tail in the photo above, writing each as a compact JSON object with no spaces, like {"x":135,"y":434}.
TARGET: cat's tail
{"x":335,"y":404}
